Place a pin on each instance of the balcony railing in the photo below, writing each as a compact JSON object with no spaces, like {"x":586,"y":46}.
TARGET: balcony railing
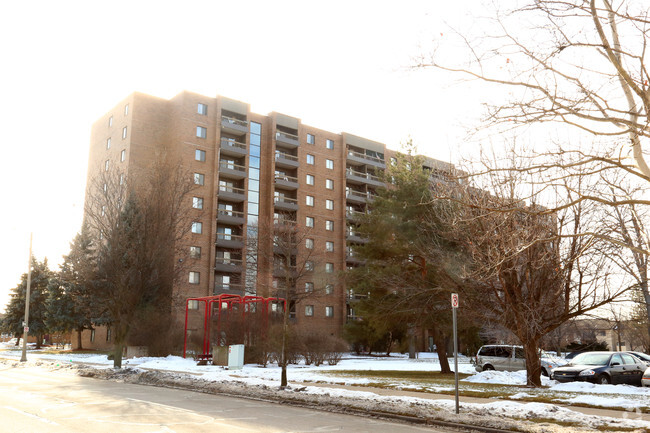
{"x":228,"y":261}
{"x":366,"y":157}
{"x":225,"y":120}
{"x":287,"y":178}
{"x":236,"y":289}
{"x":233,"y":143}
{"x":368,"y":176}
{"x":230,"y":213}
{"x":280,"y":135}
{"x":232,"y":166}
{"x":231,"y":189}
{"x":359,"y":194}
{"x":353,"y":213}
{"x":287,"y":156}
{"x":284,"y":199}
{"x":229,"y":237}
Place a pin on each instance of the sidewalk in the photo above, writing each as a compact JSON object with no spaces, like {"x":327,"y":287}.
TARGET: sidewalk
{"x":430,"y":396}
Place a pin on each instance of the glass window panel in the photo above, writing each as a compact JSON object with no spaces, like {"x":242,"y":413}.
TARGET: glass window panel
{"x":254,"y":149}
{"x":254,"y":185}
{"x":256,"y":128}
{"x":254,"y":161}
{"x":254,"y":173}
{"x":253,"y":209}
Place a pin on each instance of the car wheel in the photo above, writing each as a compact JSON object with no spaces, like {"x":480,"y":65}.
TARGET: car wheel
{"x":544,"y":372}
{"x":487,"y":367}
{"x":604,"y":380}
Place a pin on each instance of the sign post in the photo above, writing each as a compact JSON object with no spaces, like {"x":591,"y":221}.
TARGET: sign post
{"x":454,"y":307}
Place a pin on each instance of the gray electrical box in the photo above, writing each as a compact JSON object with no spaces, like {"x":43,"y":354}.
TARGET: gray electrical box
{"x":235,"y":357}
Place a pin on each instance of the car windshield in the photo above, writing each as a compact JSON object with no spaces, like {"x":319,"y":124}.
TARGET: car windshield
{"x":591,"y":359}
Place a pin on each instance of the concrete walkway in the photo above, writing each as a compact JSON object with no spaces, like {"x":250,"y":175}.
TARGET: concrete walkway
{"x":430,"y":396}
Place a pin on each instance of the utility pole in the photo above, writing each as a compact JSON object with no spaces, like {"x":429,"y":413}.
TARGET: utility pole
{"x":23,"y":358}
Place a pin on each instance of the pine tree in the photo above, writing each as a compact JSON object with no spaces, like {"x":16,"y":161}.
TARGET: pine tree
{"x":15,"y":310}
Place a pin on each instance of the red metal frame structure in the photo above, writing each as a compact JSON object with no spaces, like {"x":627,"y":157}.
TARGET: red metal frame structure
{"x":230,"y":300}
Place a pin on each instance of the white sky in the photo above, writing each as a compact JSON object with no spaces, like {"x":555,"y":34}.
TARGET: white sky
{"x":337,"y":65}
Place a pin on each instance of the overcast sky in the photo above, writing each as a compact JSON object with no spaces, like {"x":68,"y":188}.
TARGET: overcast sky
{"x":342,"y":66}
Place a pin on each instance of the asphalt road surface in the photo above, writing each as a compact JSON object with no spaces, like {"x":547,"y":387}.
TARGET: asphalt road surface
{"x":34,"y":399}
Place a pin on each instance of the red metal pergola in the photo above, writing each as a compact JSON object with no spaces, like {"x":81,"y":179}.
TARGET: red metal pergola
{"x":249,"y":303}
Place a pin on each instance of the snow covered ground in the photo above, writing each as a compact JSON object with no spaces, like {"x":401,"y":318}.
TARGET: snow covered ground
{"x":634,"y":399}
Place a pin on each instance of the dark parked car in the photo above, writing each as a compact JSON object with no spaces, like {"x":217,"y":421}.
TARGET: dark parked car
{"x":602,"y":367}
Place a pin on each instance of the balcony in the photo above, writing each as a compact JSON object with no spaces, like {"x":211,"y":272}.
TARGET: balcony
{"x":350,"y":257}
{"x":284,"y":181}
{"x":284,"y":272}
{"x":231,"y":170}
{"x":358,"y":158}
{"x":352,"y":214}
{"x":285,"y":160}
{"x":353,"y":237}
{"x":233,"y":217}
{"x":234,"y":126}
{"x":360,"y":178}
{"x":228,"y":289}
{"x":281,"y":202}
{"x":286,"y":139}
{"x":231,"y":193}
{"x":233,"y":148}
{"x":223,"y":264}
{"x":359,"y":197}
{"x":227,"y":240}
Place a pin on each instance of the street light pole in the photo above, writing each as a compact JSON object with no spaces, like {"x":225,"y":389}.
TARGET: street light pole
{"x":23,"y":358}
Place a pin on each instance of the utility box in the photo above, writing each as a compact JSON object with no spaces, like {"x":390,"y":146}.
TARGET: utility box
{"x":235,"y":357}
{"x":220,"y":355}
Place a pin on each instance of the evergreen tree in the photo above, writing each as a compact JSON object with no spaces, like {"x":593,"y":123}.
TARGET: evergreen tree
{"x":407,"y":270}
{"x":15,"y":310}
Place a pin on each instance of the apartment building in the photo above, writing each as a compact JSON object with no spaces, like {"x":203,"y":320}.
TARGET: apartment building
{"x":252,"y":170}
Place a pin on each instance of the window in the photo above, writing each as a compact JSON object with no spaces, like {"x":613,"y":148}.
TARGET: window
{"x":121,"y":179}
{"x":108,"y":143}
{"x":310,"y":179}
{"x":201,"y":132}
{"x":126,"y":110}
{"x":106,"y":165}
{"x":309,"y":244}
{"x":202,"y":109}
{"x":329,"y":289}
{"x":110,"y":121}
{"x":92,"y":335}
{"x":197,"y":227}
{"x":309,"y":287}
{"x":199,"y":155}
{"x":309,"y":221}
{"x":329,"y":164}
{"x":124,"y":133}
{"x":309,"y":200}
{"x":122,"y":155}
{"x":329,"y":246}
{"x":195,"y":277}
{"x":329,"y":204}
{"x":309,"y":265}
{"x":197,"y":202}
{"x":311,"y":139}
{"x":329,"y":267}
{"x":105,"y":186}
{"x":103,"y":210}
{"x":195,"y":252}
{"x":393,"y":161}
{"x":310,"y":159}
{"x":193,"y":304}
{"x":329,"y":184}
{"x":329,"y":311}
{"x":309,"y":310}
{"x":329,"y":144}
{"x":329,"y":225}
{"x":108,"y":334}
{"x":199,"y":179}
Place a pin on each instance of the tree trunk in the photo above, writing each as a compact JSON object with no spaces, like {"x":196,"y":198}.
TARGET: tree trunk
{"x":441,"y":349}
{"x":39,"y":340}
{"x":533,"y":364}
{"x":117,"y":355}
{"x":411,"y":334}
{"x":17,"y":340}
{"x":283,"y":351}
{"x":79,"y":346}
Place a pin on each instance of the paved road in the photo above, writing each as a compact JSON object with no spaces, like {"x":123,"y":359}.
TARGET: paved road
{"x":33,"y":399}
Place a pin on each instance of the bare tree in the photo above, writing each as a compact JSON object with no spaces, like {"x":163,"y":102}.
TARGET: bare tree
{"x":528,"y":270}
{"x":139,"y":224}
{"x":289,"y":251}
